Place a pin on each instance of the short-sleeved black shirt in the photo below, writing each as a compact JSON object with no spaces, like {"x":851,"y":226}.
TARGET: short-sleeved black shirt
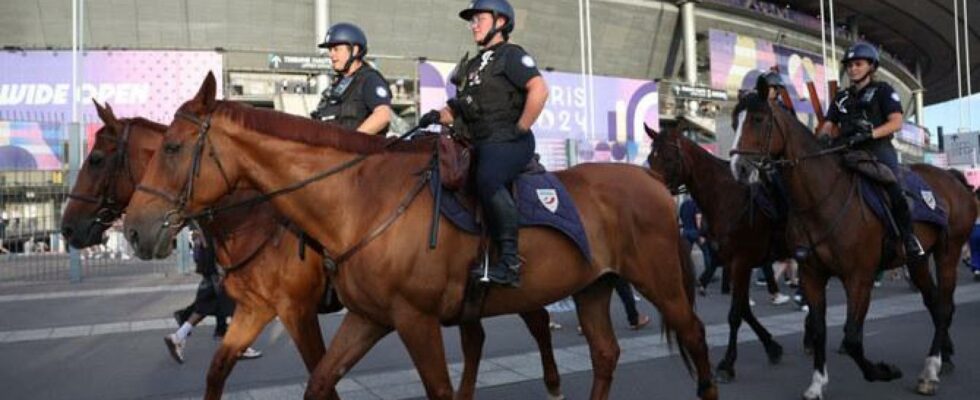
{"x":375,"y":91}
{"x":876,"y":102}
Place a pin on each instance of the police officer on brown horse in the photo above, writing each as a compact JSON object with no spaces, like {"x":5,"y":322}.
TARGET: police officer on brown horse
{"x":358,"y":99}
{"x":868,"y":113}
{"x":499,"y":95}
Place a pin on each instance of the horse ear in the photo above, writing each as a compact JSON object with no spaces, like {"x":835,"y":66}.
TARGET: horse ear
{"x":762,"y":87}
{"x":105,"y":113}
{"x":206,"y":94}
{"x":650,"y":132}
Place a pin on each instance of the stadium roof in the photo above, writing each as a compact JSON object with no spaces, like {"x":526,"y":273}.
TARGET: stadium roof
{"x":915,"y":32}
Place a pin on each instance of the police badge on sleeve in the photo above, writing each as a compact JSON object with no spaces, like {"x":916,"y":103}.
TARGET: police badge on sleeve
{"x":549,"y":199}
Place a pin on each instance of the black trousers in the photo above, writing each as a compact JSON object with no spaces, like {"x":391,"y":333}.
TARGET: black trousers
{"x":497,"y":164}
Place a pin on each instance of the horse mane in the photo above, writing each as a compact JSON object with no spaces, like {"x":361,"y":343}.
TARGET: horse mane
{"x":306,"y":131}
{"x":152,"y":125}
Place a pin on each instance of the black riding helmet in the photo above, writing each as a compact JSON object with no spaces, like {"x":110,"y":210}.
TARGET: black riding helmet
{"x":346,"y":34}
{"x":498,"y":8}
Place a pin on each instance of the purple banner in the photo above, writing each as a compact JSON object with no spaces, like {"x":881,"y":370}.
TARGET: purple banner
{"x":737,"y":60}
{"x":36,"y":85}
{"x":621,"y":107}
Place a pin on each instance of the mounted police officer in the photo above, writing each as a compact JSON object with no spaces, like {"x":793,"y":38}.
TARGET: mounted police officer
{"x":868,"y":113}
{"x":359,"y":98}
{"x":499,"y":95}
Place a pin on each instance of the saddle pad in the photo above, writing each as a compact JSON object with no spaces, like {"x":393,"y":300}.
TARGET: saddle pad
{"x":925,"y":208}
{"x":541,"y":200}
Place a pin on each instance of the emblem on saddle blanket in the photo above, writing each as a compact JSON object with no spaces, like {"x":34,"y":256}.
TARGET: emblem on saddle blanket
{"x":548,"y":199}
{"x":928,"y":198}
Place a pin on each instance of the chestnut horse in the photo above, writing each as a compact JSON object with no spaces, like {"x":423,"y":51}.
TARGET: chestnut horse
{"x":257,"y":247}
{"x":732,"y":217}
{"x":837,"y":232}
{"x":374,"y":199}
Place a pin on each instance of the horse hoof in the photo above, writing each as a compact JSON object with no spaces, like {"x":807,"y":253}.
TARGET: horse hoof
{"x":808,"y":396}
{"x":927,"y":387}
{"x":947,"y":368}
{"x":558,"y":396}
{"x":885,"y":372}
{"x":725,"y":375}
{"x":775,"y":353}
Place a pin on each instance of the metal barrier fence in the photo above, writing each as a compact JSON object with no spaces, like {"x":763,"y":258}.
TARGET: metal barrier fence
{"x":31,"y":247}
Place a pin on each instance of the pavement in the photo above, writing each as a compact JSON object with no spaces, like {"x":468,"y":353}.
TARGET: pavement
{"x":102,"y":339}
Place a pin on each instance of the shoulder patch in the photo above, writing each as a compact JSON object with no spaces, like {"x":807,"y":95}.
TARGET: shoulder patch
{"x":381,"y":92}
{"x":896,"y":98}
{"x":527,"y":61}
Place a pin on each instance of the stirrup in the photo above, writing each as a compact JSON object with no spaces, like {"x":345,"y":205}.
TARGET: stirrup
{"x":917,"y":250}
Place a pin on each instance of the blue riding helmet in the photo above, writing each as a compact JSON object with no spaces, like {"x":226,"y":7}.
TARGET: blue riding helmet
{"x":496,"y":7}
{"x":861,"y":51}
{"x":348,"y":34}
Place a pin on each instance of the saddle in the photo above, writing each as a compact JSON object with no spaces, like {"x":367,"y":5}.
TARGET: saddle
{"x":868,"y":166}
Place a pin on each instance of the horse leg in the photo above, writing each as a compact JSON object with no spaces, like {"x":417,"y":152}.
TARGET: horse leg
{"x":814,"y":287}
{"x":592,"y":306}
{"x":471,"y":335}
{"x":355,"y":336}
{"x":739,"y":304}
{"x":537,"y":323}
{"x":303,"y":326}
{"x":678,"y":315}
{"x":929,"y":377}
{"x":248,"y":323}
{"x":946,"y":264}
{"x":858,"y":290}
{"x":422,"y":336}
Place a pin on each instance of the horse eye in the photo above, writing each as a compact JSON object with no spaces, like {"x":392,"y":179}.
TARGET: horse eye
{"x":171,"y":148}
{"x":95,"y":159}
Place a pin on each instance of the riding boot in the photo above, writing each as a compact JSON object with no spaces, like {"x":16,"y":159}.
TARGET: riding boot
{"x":503,"y":227}
{"x":903,"y":218}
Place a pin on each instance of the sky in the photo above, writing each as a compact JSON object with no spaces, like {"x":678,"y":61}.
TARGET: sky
{"x":947,"y":115}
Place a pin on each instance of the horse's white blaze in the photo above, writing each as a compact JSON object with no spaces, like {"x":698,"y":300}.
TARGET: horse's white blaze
{"x":817,"y":385}
{"x":930,"y":372}
{"x":738,"y":136}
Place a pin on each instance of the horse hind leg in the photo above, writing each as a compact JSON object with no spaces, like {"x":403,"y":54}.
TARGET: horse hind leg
{"x":592,"y":306}
{"x":679,"y":317}
{"x":537,"y":323}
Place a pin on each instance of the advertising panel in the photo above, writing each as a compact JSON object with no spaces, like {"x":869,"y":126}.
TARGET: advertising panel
{"x":36,"y":85}
{"x":621,"y":107}
{"x":737,"y":60}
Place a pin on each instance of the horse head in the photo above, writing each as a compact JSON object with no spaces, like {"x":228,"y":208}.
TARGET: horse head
{"x":186,"y":175}
{"x":666,"y":157}
{"x":107,"y":177}
{"x":758,"y":137}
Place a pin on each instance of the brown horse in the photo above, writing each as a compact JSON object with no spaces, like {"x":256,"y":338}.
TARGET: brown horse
{"x":836,"y":231}
{"x":388,"y":277}
{"x":732,"y":217}
{"x":258,"y":248}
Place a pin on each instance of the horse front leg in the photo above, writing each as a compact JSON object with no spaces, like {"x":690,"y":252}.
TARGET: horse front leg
{"x":300,"y":320}
{"x":472,"y":336}
{"x":814,"y":287}
{"x":355,"y":336}
{"x":422,"y":336}
{"x":858,"y":289}
{"x":246,"y":326}
{"x":537,"y":323}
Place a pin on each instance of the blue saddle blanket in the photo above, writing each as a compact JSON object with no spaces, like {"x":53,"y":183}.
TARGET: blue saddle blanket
{"x":925,"y":207}
{"x":541,"y":200}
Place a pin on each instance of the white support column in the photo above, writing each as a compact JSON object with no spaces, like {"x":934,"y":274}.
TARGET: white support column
{"x":321,"y":12}
{"x":76,"y":144}
{"x":690,"y":43}
{"x":919,"y":95}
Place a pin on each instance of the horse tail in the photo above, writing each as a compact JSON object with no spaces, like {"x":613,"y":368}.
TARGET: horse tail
{"x":960,"y":177}
{"x":690,"y":284}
